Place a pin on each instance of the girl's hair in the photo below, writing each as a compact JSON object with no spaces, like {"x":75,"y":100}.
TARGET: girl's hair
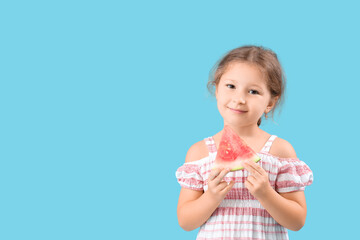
{"x":266,"y":61}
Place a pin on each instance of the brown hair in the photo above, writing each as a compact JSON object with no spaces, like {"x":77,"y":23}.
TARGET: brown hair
{"x":267,"y":62}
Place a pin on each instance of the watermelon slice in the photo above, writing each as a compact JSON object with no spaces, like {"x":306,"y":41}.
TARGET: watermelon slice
{"x":232,"y":151}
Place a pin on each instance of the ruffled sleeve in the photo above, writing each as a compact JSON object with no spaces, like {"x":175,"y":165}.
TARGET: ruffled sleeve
{"x":188,"y":176}
{"x":293,"y":175}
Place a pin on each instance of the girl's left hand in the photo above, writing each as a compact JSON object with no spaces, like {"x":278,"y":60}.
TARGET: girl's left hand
{"x":258,"y":182}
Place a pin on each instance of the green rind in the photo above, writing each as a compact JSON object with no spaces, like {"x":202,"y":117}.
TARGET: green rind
{"x":241,"y":168}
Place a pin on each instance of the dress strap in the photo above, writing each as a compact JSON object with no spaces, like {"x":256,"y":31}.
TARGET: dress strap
{"x":268,"y":144}
{"x":210,"y":143}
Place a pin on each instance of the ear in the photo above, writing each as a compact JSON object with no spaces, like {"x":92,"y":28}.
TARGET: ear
{"x":271,"y":104}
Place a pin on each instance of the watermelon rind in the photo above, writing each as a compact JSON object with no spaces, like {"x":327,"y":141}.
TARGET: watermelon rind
{"x":241,"y":167}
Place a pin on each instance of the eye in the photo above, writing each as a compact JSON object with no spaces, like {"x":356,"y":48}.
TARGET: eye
{"x":254,"y":91}
{"x":230,"y":86}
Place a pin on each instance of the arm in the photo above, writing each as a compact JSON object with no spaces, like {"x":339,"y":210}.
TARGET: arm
{"x":288,"y":209}
{"x":192,"y":209}
{"x":195,"y":207}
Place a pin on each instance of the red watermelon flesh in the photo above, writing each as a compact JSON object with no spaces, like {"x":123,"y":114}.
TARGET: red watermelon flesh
{"x":232,"y":151}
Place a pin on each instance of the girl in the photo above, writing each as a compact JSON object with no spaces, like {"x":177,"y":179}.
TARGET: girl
{"x":266,"y":198}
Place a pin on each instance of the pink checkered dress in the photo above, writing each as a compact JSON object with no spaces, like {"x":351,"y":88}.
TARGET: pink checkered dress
{"x":240,"y":215}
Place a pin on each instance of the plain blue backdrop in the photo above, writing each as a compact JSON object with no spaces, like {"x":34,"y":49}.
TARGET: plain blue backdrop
{"x":100,"y":101}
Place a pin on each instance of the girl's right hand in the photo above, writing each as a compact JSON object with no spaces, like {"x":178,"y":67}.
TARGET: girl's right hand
{"x":218,"y":188}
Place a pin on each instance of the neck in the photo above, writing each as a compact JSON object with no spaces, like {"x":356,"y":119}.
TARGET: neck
{"x":246,"y":131}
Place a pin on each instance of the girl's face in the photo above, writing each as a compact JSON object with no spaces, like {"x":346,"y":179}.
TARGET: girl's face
{"x":242,"y":95}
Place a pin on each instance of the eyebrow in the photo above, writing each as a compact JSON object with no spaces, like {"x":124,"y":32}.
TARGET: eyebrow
{"x":253,"y":84}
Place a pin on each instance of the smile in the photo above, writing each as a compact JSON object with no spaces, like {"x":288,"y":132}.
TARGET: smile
{"x":237,"y":111}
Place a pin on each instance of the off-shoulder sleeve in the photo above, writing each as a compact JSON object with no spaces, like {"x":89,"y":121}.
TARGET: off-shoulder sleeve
{"x":188,"y":176}
{"x":293,"y":175}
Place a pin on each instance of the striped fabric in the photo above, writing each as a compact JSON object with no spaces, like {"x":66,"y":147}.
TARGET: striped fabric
{"x":240,"y":215}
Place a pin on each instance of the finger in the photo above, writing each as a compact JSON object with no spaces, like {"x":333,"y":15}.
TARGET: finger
{"x":222,"y":185}
{"x":252,"y":167}
{"x":248,"y":185}
{"x":222,"y":174}
{"x":228,"y":187}
{"x":253,"y":173}
{"x":214,"y":173}
{"x":251,"y":179}
{"x":248,"y":167}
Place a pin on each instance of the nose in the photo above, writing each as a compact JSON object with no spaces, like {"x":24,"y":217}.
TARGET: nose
{"x":238,"y":99}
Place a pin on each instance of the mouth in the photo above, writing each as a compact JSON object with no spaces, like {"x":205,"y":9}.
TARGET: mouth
{"x":237,"y":110}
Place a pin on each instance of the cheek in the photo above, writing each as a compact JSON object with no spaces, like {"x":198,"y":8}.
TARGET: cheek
{"x":221,"y":102}
{"x":220,"y":106}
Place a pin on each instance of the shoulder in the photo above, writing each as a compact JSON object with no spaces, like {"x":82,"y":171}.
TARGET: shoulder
{"x":197,"y":151}
{"x":282,"y":148}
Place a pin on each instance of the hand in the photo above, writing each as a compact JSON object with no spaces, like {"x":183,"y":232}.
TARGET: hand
{"x":216,"y":186}
{"x":258,"y":182}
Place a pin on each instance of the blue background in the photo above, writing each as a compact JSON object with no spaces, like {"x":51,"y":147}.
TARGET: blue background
{"x":100,"y":101}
